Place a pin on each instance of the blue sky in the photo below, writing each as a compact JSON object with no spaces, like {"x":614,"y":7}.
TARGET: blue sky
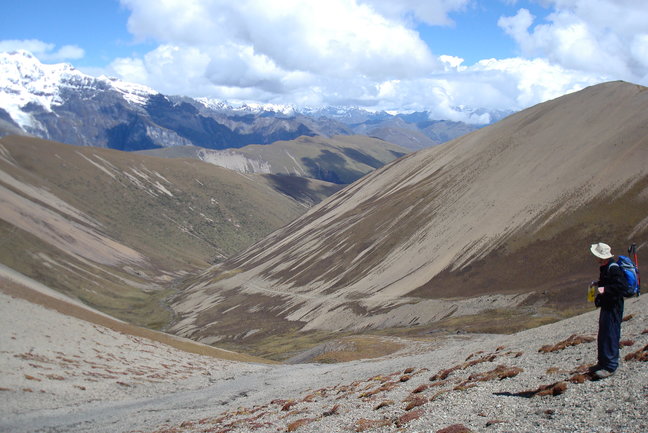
{"x":381,"y":54}
{"x":99,"y":27}
{"x":475,"y":34}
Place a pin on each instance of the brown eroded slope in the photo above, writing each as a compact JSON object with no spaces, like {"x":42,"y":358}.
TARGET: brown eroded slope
{"x":503,"y":216}
{"x":116,"y":229}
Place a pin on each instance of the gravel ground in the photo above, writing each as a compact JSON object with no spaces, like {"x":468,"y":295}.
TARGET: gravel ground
{"x":491,"y":388}
{"x":488,"y":388}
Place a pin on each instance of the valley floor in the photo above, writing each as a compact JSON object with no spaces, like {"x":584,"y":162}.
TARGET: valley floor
{"x":59,"y":373}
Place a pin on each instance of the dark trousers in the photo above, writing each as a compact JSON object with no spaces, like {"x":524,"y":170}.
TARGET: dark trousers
{"x":609,"y":334}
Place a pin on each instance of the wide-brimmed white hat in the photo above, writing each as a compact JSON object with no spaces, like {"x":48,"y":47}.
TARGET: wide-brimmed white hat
{"x":601,"y":250}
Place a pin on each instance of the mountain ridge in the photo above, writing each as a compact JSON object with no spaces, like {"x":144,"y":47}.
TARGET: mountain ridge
{"x":61,"y":103}
{"x":390,"y":249}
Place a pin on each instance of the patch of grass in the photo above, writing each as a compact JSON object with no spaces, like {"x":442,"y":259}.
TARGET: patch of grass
{"x":343,"y":347}
{"x":104,"y":288}
{"x":280,"y":347}
{"x":360,"y":347}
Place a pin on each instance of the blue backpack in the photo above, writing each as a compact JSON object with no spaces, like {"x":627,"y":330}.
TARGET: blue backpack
{"x":630,"y":271}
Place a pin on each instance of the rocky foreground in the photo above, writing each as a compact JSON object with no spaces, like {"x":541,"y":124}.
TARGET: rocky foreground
{"x":58,"y":373}
{"x":534,"y":381}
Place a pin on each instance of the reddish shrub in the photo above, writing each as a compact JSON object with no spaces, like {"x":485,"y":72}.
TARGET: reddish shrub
{"x":286,"y":407}
{"x":455,"y":428}
{"x":552,"y":389}
{"x":500,"y":372}
{"x":333,"y":411}
{"x":443,"y":374}
{"x":299,"y":423}
{"x":572,"y":340}
{"x":580,"y":378}
{"x":488,"y":358}
{"x":388,"y":386}
{"x":438,"y":383}
{"x":639,"y":355}
{"x":364,"y":424}
{"x":405,"y":378}
{"x":555,"y":389}
{"x":415,"y":402}
{"x":410,"y":416}
{"x":409,"y":370}
{"x":439,"y":394}
{"x":628,"y":317}
{"x":626,"y":343}
{"x":384,"y":403}
{"x":420,"y":389}
{"x":464,"y":386}
{"x":474,"y":354}
{"x":54,"y":377}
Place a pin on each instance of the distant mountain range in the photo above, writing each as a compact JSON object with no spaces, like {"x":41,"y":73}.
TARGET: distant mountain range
{"x":60,"y":103}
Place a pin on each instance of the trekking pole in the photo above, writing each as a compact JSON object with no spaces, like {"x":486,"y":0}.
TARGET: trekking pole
{"x":633,"y":252}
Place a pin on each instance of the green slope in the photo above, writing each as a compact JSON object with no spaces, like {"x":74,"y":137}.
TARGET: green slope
{"x":117,"y":230}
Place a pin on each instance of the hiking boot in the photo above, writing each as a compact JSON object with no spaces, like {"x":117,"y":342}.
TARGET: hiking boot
{"x":602,"y":374}
{"x":594,"y":368}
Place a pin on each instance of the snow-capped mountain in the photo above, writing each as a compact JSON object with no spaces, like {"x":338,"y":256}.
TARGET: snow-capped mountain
{"x":27,"y":83}
{"x":61,"y":103}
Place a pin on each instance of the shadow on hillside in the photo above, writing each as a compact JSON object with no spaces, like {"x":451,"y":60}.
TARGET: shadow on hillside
{"x":301,"y":189}
{"x":331,"y":167}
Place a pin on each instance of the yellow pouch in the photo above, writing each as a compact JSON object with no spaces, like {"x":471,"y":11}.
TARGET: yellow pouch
{"x":591,"y":293}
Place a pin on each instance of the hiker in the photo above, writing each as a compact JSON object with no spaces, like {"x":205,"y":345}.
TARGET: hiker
{"x":611,"y":285}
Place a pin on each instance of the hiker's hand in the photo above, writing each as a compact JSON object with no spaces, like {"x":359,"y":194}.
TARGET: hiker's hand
{"x":601,"y":290}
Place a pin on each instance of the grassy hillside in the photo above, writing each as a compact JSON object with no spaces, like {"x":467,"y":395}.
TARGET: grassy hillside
{"x":117,"y":230}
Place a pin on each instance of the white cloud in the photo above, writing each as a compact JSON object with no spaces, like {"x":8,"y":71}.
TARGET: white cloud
{"x":337,"y":37}
{"x":289,"y":50}
{"x":366,"y":53}
{"x":44,"y":51}
{"x":595,"y":36}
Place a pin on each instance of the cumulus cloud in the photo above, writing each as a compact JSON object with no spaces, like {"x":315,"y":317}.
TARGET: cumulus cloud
{"x":336,"y":38}
{"x":596,"y":36}
{"x":368,"y":53}
{"x":44,"y":51}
